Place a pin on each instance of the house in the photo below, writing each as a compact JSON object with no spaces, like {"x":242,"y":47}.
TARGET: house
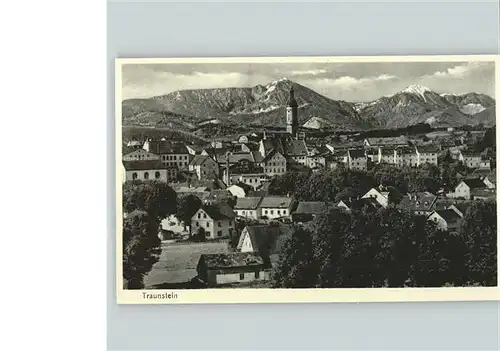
{"x":471,"y":160}
{"x":405,"y":156}
{"x":174,"y":225}
{"x":460,"y":208}
{"x":466,"y":188}
{"x":356,"y":204}
{"x":145,"y":170}
{"x":173,"y":154}
{"x":204,"y":167}
{"x":228,"y":268}
{"x":217,"y":220}
{"x":244,"y":172}
{"x":485,"y":163}
{"x":386,"y":155}
{"x":483,"y":194}
{"x":240,"y":189}
{"x":274,"y":163}
{"x":420,"y":203}
{"x":308,"y":210}
{"x":248,"y":207}
{"x":261,"y":239}
{"x":427,"y":154}
{"x":273,"y":207}
{"x":445,"y":219}
{"x":356,"y":160}
{"x":296,"y":151}
{"x":381,"y":195}
{"x":140,"y":155}
{"x":490,"y":181}
{"x":386,"y":142}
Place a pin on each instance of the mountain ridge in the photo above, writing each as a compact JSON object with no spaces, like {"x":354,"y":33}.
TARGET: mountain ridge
{"x":265,"y":105}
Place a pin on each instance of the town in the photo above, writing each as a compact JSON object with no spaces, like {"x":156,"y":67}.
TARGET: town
{"x":236,"y":198}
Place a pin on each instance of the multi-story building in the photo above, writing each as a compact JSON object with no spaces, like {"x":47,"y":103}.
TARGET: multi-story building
{"x":216,"y":220}
{"x":426,"y":154}
{"x":172,"y":154}
{"x":145,"y":170}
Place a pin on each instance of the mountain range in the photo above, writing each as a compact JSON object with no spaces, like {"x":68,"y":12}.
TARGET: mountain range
{"x":266,"y":104}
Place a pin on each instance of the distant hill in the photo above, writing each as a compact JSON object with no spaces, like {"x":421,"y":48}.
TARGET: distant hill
{"x":418,"y":104}
{"x":264,"y":105}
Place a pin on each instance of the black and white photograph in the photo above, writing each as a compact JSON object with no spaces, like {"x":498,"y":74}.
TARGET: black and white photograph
{"x":306,"y":173}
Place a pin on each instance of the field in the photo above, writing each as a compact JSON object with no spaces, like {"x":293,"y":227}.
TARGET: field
{"x":178,"y":262}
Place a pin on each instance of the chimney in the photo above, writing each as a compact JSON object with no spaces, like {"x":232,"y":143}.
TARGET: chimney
{"x":228,"y":176}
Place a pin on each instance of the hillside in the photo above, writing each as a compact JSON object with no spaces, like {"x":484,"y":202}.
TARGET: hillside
{"x":265,"y":105}
{"x":418,"y":104}
{"x":259,"y":105}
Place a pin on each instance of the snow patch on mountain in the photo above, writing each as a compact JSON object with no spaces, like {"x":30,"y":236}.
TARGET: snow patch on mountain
{"x":418,"y":90}
{"x":431,"y":120}
{"x":472,"y":109}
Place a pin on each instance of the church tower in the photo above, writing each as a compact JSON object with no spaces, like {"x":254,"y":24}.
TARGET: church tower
{"x":292,"y":122}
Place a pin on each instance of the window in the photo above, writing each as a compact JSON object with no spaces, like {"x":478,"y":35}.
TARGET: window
{"x":207,"y":234}
{"x":242,"y":276}
{"x":219,"y":233}
{"x":204,"y":215}
{"x":230,"y":222}
{"x":134,"y":175}
{"x":175,"y":158}
{"x":146,"y":175}
{"x":157,"y":175}
{"x":199,"y":215}
{"x":265,"y":211}
{"x":272,"y":211}
{"x":278,"y":211}
{"x":197,"y":224}
{"x":257,"y":275}
{"x":219,"y":224}
{"x":208,"y":224}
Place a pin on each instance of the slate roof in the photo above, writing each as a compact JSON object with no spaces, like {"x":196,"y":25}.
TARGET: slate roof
{"x":247,"y":203}
{"x":276,"y":202}
{"x":231,"y":260}
{"x":198,"y":160}
{"x":219,"y":211}
{"x":294,"y":147}
{"x":263,"y":237}
{"x":421,"y":201}
{"x":143,"y":165}
{"x":449,"y":215}
{"x":310,"y":207}
{"x":387,"y":152}
{"x":474,"y":183}
{"x":235,"y":157}
{"x":401,"y":140}
{"x":427,"y":149}
{"x":359,"y":203}
{"x":356,"y":153}
{"x":161,"y":147}
{"x":272,"y":144}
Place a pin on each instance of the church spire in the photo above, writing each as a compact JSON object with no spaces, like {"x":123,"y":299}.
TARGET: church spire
{"x":291,"y":100}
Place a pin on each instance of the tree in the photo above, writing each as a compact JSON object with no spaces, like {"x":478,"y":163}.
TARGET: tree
{"x":145,"y":205}
{"x":200,"y":235}
{"x":295,"y":267}
{"x":186,"y":208}
{"x":154,"y":197}
{"x":479,"y":232}
{"x":141,"y":248}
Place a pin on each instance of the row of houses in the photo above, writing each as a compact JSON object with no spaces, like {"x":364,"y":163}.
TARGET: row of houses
{"x":256,"y":248}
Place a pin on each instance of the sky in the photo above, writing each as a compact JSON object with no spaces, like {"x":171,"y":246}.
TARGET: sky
{"x":360,"y":81}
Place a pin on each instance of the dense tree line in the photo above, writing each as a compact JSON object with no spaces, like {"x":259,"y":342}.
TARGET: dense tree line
{"x":388,"y":249}
{"x":334,"y":185}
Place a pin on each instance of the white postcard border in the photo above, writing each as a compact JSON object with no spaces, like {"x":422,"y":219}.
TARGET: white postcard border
{"x":231,"y":296}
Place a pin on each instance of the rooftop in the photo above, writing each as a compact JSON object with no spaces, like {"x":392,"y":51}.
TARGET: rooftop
{"x":143,"y":165}
{"x":231,"y":260}
{"x":247,"y":203}
{"x":276,"y":202}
